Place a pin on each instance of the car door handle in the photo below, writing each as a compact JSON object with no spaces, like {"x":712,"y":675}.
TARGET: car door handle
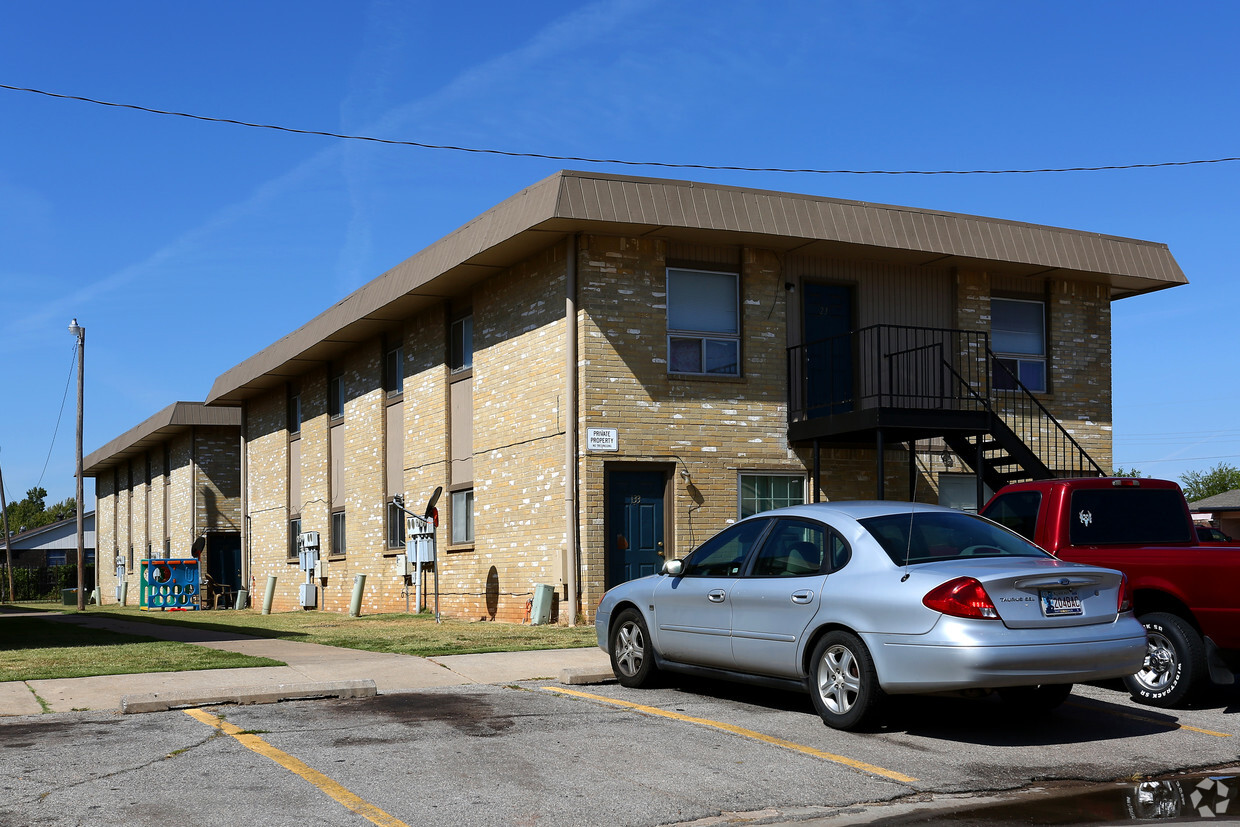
{"x":716,"y":596}
{"x":803,"y":596}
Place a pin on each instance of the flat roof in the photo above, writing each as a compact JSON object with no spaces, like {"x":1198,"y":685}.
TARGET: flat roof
{"x":171,"y":421}
{"x":569,"y":202}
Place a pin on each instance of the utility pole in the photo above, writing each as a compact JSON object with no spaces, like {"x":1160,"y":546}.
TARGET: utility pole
{"x":80,"y":332}
{"x":8,"y":550}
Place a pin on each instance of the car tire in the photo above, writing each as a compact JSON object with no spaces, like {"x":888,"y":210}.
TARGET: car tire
{"x":632,"y":653}
{"x":1035,"y":700}
{"x":1175,"y":663}
{"x":843,"y":682}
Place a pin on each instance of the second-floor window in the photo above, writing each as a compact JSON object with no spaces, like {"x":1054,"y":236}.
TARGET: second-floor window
{"x":394,"y":371}
{"x":335,"y":396}
{"x":294,"y":413}
{"x":703,"y":322}
{"x":1018,"y":338}
{"x":461,"y":348}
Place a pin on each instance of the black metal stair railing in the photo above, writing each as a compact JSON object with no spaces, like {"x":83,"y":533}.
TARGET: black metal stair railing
{"x":906,"y":367}
{"x":1037,"y":427}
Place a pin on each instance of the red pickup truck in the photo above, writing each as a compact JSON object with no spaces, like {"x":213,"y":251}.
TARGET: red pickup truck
{"x":1185,"y":593}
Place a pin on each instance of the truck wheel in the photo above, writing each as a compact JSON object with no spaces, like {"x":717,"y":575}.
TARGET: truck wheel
{"x":1175,"y":663}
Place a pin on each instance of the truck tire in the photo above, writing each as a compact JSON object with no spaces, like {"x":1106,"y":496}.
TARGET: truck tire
{"x":1175,"y":665}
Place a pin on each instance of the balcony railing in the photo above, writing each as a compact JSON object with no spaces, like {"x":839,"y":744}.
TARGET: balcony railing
{"x":889,"y":366}
{"x":931,"y":369}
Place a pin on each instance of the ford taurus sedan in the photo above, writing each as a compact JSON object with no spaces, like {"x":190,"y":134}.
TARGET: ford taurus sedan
{"x":854,"y":601}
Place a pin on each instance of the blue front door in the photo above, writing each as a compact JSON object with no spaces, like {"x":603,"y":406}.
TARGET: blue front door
{"x":635,"y":524}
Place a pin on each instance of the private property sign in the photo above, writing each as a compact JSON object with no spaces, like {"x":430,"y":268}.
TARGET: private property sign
{"x":602,"y":439}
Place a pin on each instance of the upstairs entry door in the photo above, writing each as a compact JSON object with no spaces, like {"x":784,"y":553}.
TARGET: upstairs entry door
{"x":635,"y":524}
{"x":827,"y":328}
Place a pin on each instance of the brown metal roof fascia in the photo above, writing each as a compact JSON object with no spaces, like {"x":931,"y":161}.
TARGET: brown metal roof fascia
{"x":482,"y":247}
{"x":568,"y":202}
{"x":157,"y":430}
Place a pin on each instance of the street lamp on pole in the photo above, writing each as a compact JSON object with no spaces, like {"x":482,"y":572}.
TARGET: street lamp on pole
{"x":80,"y":332}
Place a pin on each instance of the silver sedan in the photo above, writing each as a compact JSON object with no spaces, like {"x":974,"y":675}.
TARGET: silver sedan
{"x":853,"y":601}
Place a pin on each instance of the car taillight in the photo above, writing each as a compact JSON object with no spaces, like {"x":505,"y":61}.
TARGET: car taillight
{"x":1125,"y":595}
{"x":962,"y":597}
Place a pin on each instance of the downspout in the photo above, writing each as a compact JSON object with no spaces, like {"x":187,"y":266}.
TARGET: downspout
{"x":571,"y":505}
{"x":245,"y":510}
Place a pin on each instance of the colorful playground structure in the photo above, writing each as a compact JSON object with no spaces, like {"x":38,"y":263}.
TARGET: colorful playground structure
{"x":170,"y":585}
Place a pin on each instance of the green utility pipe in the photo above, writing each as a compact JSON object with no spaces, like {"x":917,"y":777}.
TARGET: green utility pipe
{"x":270,"y":594}
{"x":355,"y":607}
{"x":124,"y":591}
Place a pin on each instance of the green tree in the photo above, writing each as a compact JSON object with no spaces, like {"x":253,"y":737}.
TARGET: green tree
{"x":1221,"y":478}
{"x":32,"y":512}
{"x":1127,"y":472}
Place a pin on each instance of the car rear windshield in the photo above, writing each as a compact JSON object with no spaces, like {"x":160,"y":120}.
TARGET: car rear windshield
{"x":1133,"y":516}
{"x":925,"y":537}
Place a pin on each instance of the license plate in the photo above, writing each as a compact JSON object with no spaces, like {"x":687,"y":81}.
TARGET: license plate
{"x":1060,"y":602}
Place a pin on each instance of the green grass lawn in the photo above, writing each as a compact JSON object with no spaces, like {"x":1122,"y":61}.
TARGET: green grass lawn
{"x":34,"y":649}
{"x":24,"y":652}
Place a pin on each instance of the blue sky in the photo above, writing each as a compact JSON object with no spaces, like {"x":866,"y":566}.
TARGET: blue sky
{"x":184,"y":246}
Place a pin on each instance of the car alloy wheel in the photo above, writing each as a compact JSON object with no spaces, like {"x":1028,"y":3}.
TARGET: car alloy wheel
{"x":632,"y":656}
{"x":843,"y":683}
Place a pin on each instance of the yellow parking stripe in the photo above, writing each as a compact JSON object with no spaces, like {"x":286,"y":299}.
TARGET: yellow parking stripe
{"x":367,"y":811}
{"x":1149,"y":719}
{"x":747,"y":733}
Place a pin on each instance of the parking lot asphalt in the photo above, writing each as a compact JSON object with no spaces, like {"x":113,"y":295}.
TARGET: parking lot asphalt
{"x":310,"y":671}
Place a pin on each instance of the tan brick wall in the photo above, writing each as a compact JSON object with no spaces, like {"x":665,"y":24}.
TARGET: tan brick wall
{"x":1080,"y":365}
{"x":267,"y":479}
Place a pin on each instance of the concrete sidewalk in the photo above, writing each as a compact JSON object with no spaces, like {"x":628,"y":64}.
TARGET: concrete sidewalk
{"x":312,"y":671}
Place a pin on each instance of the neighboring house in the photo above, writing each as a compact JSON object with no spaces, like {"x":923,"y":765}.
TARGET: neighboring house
{"x":54,"y":544}
{"x":1223,"y":510}
{"x":602,"y":371}
{"x":170,"y":487}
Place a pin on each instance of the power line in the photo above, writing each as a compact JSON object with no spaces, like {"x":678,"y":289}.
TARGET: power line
{"x":587,"y":160}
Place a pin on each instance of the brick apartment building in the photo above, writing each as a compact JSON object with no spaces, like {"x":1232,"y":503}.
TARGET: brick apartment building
{"x":169,"y":487}
{"x":602,"y":371}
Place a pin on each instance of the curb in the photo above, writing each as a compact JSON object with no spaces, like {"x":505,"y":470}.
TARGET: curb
{"x":164,"y":701}
{"x":582,"y":676}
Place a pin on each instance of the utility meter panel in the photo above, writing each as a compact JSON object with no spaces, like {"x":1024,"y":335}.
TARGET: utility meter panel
{"x":420,"y":543}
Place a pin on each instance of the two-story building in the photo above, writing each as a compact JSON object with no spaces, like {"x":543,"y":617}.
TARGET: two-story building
{"x":169,"y":487}
{"x":602,"y":371}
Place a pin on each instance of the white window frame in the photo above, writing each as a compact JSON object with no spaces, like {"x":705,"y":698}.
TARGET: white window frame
{"x":704,"y":338}
{"x":463,"y":517}
{"x":1022,"y":359}
{"x":340,"y":525}
{"x":766,"y":475}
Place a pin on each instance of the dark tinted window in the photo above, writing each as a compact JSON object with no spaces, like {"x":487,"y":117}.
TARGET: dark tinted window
{"x":937,"y":535}
{"x":1136,"y":516}
{"x":723,"y":554}
{"x":1018,"y":511}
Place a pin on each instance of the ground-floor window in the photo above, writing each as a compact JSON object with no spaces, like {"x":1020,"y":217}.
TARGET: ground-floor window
{"x":338,"y":546}
{"x":294,"y":532}
{"x":395,"y":525}
{"x":762,"y":492}
{"x":462,"y":517}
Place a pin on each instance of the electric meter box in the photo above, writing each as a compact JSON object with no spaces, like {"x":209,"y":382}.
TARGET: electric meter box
{"x":420,"y":542}
{"x":309,"y":594}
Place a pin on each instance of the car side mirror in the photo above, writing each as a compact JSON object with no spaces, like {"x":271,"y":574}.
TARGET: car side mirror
{"x":673,"y":567}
